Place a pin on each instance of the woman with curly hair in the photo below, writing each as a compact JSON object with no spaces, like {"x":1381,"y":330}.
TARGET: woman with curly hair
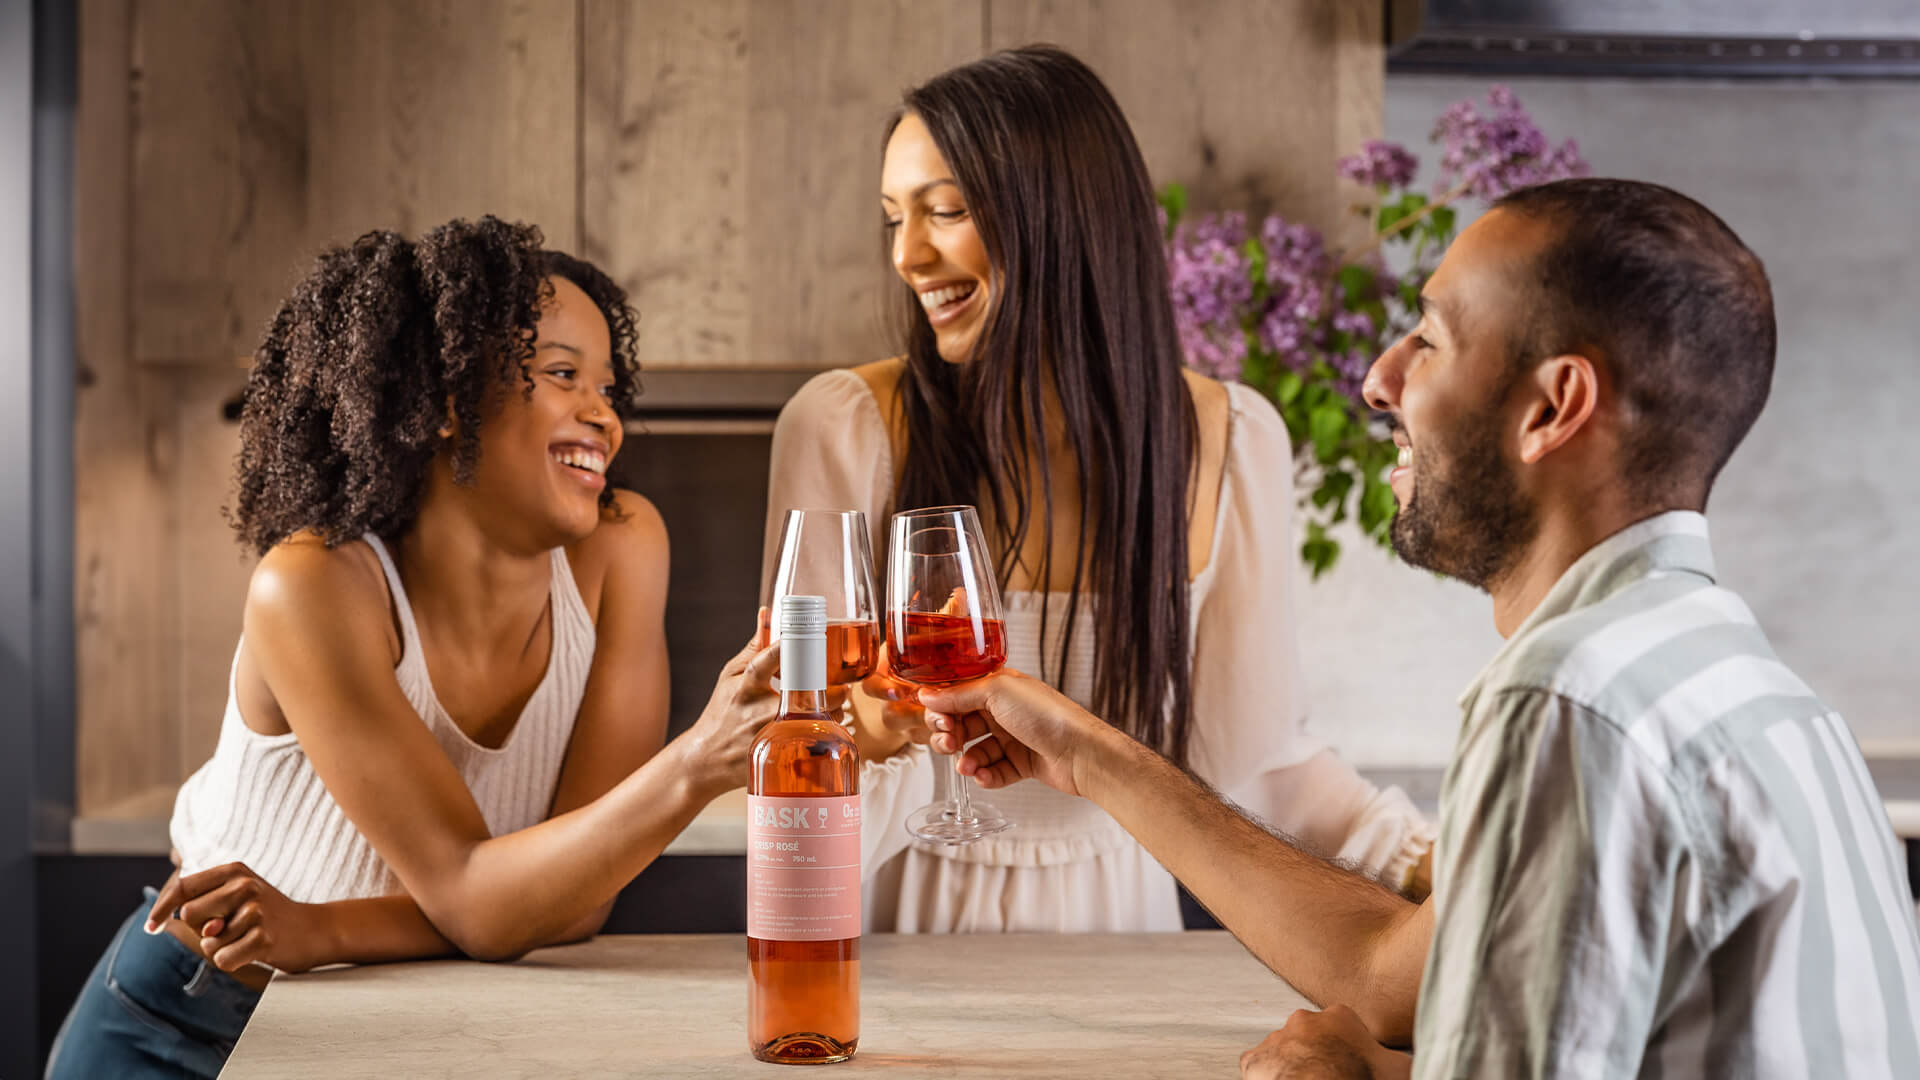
{"x":446,"y":713}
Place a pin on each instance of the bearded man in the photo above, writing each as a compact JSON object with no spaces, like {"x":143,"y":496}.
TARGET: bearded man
{"x":1660,"y":854}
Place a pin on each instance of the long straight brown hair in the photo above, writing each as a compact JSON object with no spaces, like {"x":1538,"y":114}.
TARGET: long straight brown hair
{"x":1056,"y":186}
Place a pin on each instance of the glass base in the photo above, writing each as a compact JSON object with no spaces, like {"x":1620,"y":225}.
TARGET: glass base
{"x":939,"y":824}
{"x":806,"y":1048}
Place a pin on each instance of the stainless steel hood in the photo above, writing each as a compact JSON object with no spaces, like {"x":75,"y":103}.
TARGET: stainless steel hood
{"x":1719,"y":38}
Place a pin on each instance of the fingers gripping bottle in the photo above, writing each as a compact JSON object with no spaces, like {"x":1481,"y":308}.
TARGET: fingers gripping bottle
{"x":803,"y":861}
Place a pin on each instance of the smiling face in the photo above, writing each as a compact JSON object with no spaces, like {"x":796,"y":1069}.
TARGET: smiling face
{"x":935,"y":248}
{"x":1449,"y":387}
{"x":544,"y":452}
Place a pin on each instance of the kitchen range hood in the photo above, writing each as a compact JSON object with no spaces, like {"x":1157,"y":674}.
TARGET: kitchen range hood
{"x":1712,"y":38}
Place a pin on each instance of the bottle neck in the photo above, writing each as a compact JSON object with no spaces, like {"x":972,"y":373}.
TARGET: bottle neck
{"x":803,"y":663}
{"x":797,"y":702}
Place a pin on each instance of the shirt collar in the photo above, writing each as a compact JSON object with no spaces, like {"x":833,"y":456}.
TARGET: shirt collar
{"x":1674,"y":541}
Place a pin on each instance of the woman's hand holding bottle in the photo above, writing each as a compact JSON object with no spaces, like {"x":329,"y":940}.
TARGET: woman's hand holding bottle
{"x":717,"y":746}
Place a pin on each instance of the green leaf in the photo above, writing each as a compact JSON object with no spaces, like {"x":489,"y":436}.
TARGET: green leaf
{"x":1377,"y":311}
{"x":1256,"y":261}
{"x":1319,"y":550}
{"x":1357,"y":283}
{"x":1440,"y":224}
{"x":1173,"y":199}
{"x":1393,"y":213}
{"x":1326,"y":425}
{"x":1287,"y":389}
{"x":1258,"y":369}
{"x":1333,"y":488}
{"x":1377,"y":507}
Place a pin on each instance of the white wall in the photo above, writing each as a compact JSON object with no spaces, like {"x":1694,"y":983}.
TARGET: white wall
{"x":1816,"y":520}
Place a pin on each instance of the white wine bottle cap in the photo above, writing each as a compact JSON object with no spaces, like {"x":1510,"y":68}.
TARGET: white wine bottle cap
{"x":801,"y":622}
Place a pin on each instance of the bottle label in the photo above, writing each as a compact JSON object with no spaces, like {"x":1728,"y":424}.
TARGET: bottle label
{"x":803,"y":868}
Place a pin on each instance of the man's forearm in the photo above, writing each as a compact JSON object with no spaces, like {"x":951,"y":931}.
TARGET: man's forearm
{"x":1338,"y":937}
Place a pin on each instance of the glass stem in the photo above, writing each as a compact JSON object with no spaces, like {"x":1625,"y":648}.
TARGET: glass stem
{"x":960,"y":793}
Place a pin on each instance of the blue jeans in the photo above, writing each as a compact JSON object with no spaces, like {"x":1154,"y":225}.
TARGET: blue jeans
{"x":152,"y":1008}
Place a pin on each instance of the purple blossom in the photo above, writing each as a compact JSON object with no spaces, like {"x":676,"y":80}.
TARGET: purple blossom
{"x":1298,"y":272}
{"x":1295,"y":308}
{"x":1210,"y":271}
{"x":1500,"y":151}
{"x":1379,"y":164}
{"x":1357,"y":324}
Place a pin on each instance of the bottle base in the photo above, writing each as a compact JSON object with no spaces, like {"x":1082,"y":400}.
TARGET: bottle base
{"x":805,"y":1048}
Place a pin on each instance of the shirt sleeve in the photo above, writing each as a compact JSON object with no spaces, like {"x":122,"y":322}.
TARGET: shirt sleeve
{"x":830,"y":452}
{"x":1250,"y":736}
{"x":1558,"y":872}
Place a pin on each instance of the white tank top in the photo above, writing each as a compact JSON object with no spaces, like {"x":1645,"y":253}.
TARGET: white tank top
{"x":258,"y":800}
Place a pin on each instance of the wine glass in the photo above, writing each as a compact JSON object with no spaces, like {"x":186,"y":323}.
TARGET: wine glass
{"x":944,"y":626}
{"x":827,"y":553}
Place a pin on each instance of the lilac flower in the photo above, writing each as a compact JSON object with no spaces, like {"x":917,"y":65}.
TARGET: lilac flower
{"x":1298,"y":272}
{"x":1501,"y":151}
{"x":1355,"y":324}
{"x":1379,"y":164}
{"x":1210,"y":271}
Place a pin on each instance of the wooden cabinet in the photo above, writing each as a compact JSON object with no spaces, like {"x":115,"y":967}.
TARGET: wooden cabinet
{"x":719,"y":157}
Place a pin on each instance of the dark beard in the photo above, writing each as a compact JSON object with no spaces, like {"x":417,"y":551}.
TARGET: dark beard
{"x":1470,"y":521}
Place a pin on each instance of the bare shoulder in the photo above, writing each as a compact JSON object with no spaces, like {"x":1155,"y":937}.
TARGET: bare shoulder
{"x":631,"y":528}
{"x":629,"y":545}
{"x":1213,"y":413}
{"x":1212,"y":404}
{"x":301,"y":579}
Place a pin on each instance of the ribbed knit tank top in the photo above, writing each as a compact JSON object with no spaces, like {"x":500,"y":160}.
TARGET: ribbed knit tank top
{"x":259,"y":801}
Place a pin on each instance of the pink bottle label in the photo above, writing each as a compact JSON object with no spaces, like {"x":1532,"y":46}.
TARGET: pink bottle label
{"x":803,"y":868}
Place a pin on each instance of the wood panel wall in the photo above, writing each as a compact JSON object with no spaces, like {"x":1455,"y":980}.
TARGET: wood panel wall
{"x":718,"y":157}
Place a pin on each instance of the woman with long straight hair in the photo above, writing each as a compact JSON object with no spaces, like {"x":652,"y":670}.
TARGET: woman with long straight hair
{"x":1140,"y":514}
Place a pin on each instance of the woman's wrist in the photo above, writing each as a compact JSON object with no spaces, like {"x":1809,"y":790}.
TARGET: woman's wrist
{"x":695,"y":781}
{"x":327,"y":937}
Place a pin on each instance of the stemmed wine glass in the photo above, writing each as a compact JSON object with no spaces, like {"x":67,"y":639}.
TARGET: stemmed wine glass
{"x":827,"y":553}
{"x":944,"y":626}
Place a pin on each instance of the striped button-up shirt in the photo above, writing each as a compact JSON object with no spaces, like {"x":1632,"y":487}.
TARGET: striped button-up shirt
{"x":1660,"y":855}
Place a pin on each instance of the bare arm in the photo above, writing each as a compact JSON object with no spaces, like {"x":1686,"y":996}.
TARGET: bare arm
{"x":621,"y":726}
{"x":1337,"y":936}
{"x":623,"y":716}
{"x":319,"y":643}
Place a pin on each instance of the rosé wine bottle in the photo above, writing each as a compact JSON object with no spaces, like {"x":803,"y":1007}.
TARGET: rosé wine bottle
{"x":803,"y":861}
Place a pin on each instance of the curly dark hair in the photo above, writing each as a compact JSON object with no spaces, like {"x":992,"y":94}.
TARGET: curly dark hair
{"x":363,"y":364}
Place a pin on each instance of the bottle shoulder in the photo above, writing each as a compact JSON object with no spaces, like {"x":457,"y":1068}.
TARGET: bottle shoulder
{"x":811,"y":726}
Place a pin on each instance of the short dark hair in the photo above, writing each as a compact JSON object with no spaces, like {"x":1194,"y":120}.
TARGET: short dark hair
{"x":1676,"y":307}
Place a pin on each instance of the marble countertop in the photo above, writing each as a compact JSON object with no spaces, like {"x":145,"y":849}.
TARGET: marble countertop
{"x":1002,"y":1006}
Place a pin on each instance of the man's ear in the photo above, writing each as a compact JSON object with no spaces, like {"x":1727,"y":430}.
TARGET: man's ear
{"x":1564,"y":391}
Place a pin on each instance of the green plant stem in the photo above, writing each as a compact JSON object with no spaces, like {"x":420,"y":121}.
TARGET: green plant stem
{"x":1406,"y":223}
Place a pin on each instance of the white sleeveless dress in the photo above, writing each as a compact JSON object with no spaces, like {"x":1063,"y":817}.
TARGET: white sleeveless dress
{"x":1067,"y":865}
{"x":259,"y":801}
